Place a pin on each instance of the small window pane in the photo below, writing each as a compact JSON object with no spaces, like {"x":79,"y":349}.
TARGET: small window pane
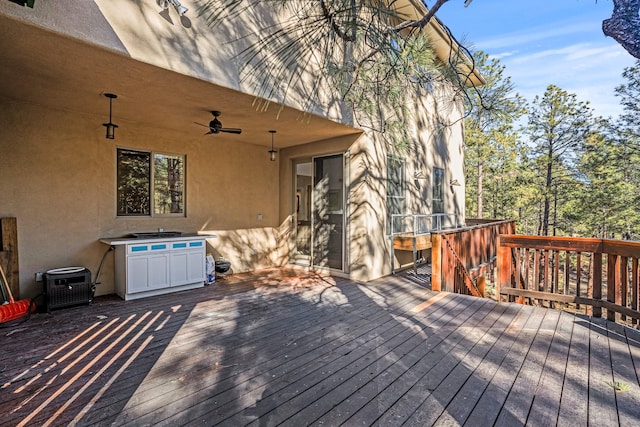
{"x":134,"y":183}
{"x":396,"y":192}
{"x":168,"y":184}
{"x":438,"y":190}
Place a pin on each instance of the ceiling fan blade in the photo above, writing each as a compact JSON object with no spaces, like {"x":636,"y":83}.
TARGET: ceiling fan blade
{"x":209,"y":133}
{"x":231,"y":130}
{"x":201,"y":124}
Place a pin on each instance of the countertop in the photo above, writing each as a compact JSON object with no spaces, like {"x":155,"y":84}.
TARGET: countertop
{"x":127,"y":240}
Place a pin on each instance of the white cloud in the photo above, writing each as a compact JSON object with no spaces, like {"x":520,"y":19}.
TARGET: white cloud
{"x":590,"y":70}
{"x":504,"y":54}
{"x":532,"y":35}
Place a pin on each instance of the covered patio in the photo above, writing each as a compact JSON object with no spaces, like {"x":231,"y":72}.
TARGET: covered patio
{"x":288,"y":347}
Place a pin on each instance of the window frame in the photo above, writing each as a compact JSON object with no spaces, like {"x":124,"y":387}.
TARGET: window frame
{"x":438,"y":172}
{"x":151,"y":188}
{"x":400,"y":206}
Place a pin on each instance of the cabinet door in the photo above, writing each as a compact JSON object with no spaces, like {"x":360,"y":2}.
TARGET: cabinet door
{"x":137,"y":274}
{"x":196,"y":266}
{"x":179,"y":268}
{"x":147,"y":272}
{"x":187,"y":267}
{"x":159,"y":271}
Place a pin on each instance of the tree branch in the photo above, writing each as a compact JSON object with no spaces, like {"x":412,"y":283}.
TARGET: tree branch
{"x":624,"y":25}
{"x":421,"y":23}
{"x":329,"y":16}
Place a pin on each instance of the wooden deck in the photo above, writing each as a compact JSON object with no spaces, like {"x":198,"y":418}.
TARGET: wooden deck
{"x":274,"y":348}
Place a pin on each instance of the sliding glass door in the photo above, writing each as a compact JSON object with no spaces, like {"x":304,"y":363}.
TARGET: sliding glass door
{"x":328,"y":212}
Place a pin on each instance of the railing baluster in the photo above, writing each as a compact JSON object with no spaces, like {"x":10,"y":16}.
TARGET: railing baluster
{"x":527,"y":280}
{"x":578,"y":275}
{"x":555,"y":282}
{"x":624,"y":280}
{"x":546,"y":270}
{"x":613,"y":265}
{"x":536,"y":269}
{"x":567,"y":272}
{"x":597,"y":282}
{"x":634,"y":286}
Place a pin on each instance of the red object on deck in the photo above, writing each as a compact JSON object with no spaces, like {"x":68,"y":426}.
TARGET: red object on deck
{"x":10,"y":308}
{"x":15,"y":309}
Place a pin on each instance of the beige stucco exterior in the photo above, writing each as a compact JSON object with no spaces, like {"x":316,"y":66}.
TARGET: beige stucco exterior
{"x":58,"y":171}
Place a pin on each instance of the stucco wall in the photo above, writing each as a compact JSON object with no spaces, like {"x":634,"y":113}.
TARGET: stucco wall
{"x":58,"y":179}
{"x":437,"y":142}
{"x":189,"y":45}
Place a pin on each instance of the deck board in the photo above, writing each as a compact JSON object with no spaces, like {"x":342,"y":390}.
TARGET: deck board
{"x":490,"y":403}
{"x":467,"y":397}
{"x":437,"y":400}
{"x":546,"y":404}
{"x":602,"y":399}
{"x":573,"y":405}
{"x":294,"y":348}
{"x":518,"y":404}
{"x":627,"y":400}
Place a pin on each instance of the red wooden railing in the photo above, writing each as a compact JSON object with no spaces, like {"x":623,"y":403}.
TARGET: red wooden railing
{"x":574,"y":272}
{"x":462,"y":258}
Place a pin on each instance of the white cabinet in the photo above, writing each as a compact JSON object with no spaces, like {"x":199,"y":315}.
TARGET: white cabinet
{"x":187,"y":261}
{"x":157,"y":267}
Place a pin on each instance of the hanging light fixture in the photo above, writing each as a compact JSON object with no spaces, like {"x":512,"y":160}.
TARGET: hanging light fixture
{"x":164,"y":5}
{"x":111,"y":127}
{"x":272,"y":152}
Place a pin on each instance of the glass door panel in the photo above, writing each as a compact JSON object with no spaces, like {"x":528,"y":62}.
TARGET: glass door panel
{"x":328,"y":212}
{"x":302,"y":207}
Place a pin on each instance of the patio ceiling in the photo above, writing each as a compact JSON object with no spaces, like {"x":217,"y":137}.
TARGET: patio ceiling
{"x":62,"y":73}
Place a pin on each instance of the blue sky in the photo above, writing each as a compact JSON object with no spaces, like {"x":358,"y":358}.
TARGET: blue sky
{"x":546,"y":42}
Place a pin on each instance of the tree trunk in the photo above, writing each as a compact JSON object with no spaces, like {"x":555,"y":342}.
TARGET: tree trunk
{"x":545,"y":215}
{"x":555,"y":209}
{"x":480,"y":177}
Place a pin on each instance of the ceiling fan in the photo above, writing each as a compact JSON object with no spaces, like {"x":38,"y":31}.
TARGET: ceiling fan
{"x":215,"y":126}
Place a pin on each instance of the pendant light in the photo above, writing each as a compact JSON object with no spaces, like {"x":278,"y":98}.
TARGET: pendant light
{"x":272,"y":152}
{"x":111,"y":127}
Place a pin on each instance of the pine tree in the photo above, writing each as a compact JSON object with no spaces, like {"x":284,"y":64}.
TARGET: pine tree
{"x":558,"y":125}
{"x":490,"y":138}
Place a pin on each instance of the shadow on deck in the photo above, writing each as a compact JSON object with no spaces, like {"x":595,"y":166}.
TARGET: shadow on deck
{"x":281,"y":346}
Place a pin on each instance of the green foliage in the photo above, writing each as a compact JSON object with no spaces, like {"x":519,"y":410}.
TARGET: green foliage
{"x":577,"y":175}
{"x":558,"y":126}
{"x":492,"y":145}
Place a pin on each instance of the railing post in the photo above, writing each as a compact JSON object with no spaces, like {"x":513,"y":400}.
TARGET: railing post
{"x":634,"y":286}
{"x":436,"y":262}
{"x":503,"y":267}
{"x":613,"y":281}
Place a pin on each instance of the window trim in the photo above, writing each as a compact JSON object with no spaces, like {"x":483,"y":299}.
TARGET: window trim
{"x":403,"y":164}
{"x":151,"y":189}
{"x":442,"y":190}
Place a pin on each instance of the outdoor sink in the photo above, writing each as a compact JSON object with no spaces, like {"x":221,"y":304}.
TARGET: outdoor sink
{"x":155,"y":234}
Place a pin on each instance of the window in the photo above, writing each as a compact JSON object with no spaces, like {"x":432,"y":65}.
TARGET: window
{"x":145,"y":186}
{"x":438,"y":191}
{"x":396,"y":191}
